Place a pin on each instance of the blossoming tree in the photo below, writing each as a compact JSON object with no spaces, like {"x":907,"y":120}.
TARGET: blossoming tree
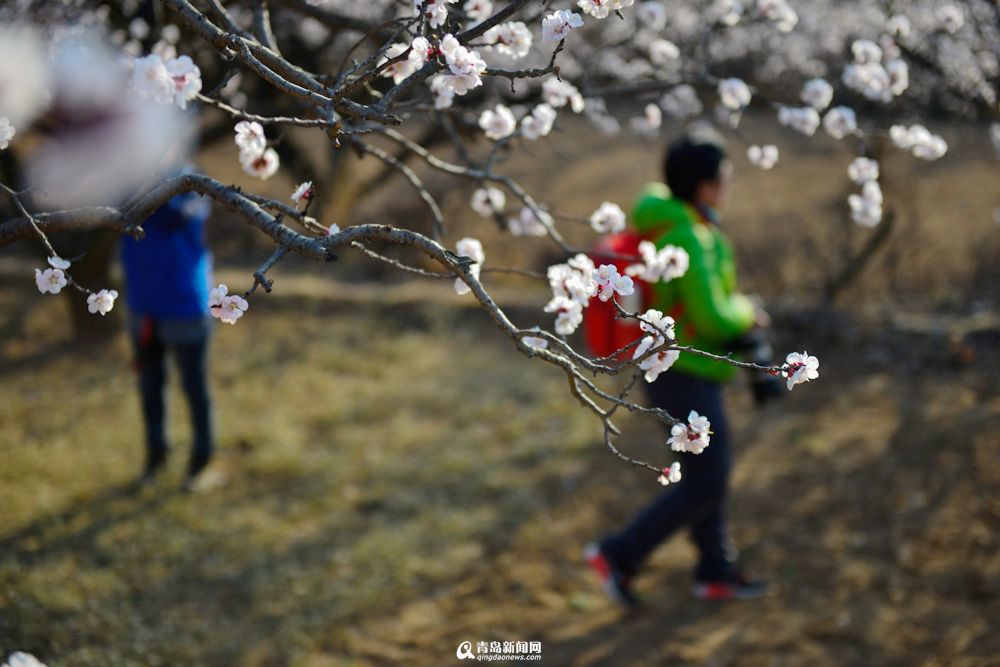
{"x":104,"y":96}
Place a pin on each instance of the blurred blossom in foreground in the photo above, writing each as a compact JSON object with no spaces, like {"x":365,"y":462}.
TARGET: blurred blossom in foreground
{"x":102,"y":140}
{"x":24,"y":76}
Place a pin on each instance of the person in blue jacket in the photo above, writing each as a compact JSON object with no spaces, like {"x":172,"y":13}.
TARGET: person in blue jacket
{"x":167,"y":275}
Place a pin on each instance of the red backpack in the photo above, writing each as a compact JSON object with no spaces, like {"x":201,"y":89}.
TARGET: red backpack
{"x":606,"y":333}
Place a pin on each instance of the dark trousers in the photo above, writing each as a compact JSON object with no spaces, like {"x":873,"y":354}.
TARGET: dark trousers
{"x":698,"y":500}
{"x":151,"y":354}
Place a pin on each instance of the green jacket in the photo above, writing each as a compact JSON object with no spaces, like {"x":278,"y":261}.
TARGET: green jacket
{"x":704,"y":302}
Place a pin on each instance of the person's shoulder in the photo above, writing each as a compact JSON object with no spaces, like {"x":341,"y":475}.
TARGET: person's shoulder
{"x":657,"y":207}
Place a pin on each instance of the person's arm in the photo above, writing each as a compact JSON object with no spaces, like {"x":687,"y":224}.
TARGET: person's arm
{"x":716,"y":315}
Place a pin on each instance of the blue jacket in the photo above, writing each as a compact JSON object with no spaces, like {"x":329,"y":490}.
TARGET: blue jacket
{"x":167,"y":273}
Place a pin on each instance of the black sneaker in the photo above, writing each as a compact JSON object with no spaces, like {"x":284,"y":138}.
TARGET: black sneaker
{"x":737,"y":587}
{"x":615,"y":584}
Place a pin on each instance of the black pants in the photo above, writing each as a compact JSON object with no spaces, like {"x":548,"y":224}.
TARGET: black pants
{"x":698,"y":500}
{"x":151,"y":354}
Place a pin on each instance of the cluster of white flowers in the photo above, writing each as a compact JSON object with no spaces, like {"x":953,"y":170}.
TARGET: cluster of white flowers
{"x":817,"y":93}
{"x":510,"y":39}
{"x":572,"y":288}
{"x":878,"y":74}
{"x":681,"y":102}
{"x":6,"y":132}
{"x":840,"y":122}
{"x":799,"y":368}
{"x":176,"y":80}
{"x":666,"y":264}
{"x":692,"y":437}
{"x":609,"y":218}
{"x":465,"y":68}
{"x":557,"y":26}
{"x":866,"y":208}
{"x":558,"y":93}
{"x":435,"y":11}
{"x":863,"y":170}
{"x":660,"y":329}
{"x":473,"y":249}
{"x":255,"y":157}
{"x":539,"y":122}
{"x":488,"y":201}
{"x":648,"y":124}
{"x":919,"y":140}
{"x":734,"y":94}
{"x":764,"y":157}
{"x":529,"y":224}
{"x":225,"y":306}
{"x":779,"y":13}
{"x":670,"y":475}
{"x":800,"y":119}
{"x":304,"y":192}
{"x":52,"y":280}
{"x":497,"y":123}
{"x":419,"y":52}
{"x":601,"y":9}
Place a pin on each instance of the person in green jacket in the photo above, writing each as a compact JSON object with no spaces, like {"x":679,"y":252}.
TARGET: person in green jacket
{"x":711,"y":315}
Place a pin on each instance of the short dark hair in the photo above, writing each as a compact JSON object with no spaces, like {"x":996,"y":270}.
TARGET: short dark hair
{"x":693,"y":159}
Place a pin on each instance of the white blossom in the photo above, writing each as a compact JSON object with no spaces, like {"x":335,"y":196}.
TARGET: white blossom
{"x":478,"y":10}
{"x":863,"y":170}
{"x":800,"y":368}
{"x":950,"y":17}
{"x":663,"y":52}
{"x":600,"y":9}
{"x":225,"y":306}
{"x":840,"y":122}
{"x":487,"y":201}
{"x":250,"y":137}
{"x":414,"y":60}
{"x":817,"y":93}
{"x":57,"y":262}
{"x":666,"y":264}
{"x":539,"y":122}
{"x":473,"y":249}
{"x":22,"y":659}
{"x":569,"y":314}
{"x":609,"y":282}
{"x":779,"y":13}
{"x":764,"y":157}
{"x":734,"y":93}
{"x":534,"y":342}
{"x":866,"y":208}
{"x":512,"y":39}
{"x":648,"y":124}
{"x":898,"y":25}
{"x":726,"y":12}
{"x":6,"y":133}
{"x":918,"y":140}
{"x":670,"y":475}
{"x":176,"y":80}
{"x":50,"y":281}
{"x":556,"y":26}
{"x":497,"y":123}
{"x":558,"y":93}
{"x":800,"y":119}
{"x":304,"y":191}
{"x":102,"y":302}
{"x":529,"y":224}
{"x":261,"y":166}
{"x":609,"y":218}
{"x":692,"y":437}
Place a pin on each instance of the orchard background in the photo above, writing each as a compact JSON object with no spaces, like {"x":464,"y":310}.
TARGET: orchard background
{"x":399,"y":478}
